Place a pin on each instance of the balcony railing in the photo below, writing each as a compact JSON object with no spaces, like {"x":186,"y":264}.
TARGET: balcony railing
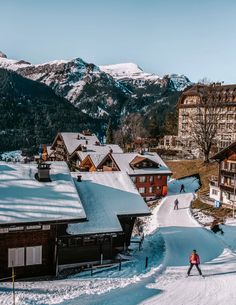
{"x":227,"y":187}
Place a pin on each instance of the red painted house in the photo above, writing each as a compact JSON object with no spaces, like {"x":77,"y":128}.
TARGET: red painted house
{"x":147,"y":170}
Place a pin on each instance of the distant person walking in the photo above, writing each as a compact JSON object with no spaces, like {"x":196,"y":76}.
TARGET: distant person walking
{"x":182,"y":189}
{"x":176,"y":204}
{"x":194,"y":260}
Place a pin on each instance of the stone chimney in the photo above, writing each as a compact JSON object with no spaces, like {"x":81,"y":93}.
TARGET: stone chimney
{"x":43,"y":174}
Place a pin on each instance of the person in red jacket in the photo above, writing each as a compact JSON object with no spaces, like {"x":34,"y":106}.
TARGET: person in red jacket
{"x":194,"y":260}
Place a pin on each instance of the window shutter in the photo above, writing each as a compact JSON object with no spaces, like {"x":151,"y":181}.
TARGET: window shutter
{"x":16,"y":257}
{"x":34,"y":255}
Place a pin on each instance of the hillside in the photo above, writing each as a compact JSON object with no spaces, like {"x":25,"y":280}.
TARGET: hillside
{"x":31,"y":113}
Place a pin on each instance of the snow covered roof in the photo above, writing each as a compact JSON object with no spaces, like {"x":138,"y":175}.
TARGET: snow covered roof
{"x":73,"y":139}
{"x":95,"y":150}
{"x":97,"y":158}
{"x":105,"y":195}
{"x":23,"y":199}
{"x":123,"y":161}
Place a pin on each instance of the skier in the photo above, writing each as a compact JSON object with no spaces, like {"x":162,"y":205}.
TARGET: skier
{"x":194,"y":260}
{"x":176,"y":204}
{"x":216,"y":228}
{"x":182,"y":189}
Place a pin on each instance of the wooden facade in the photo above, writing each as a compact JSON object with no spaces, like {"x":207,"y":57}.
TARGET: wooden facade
{"x":79,"y":250}
{"x":57,"y":248}
{"x":151,"y":185}
{"x":226,"y":184}
{"x":22,"y":241}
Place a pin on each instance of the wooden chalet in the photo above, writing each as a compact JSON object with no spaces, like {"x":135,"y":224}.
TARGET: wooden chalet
{"x":223,"y":187}
{"x":66,"y":143}
{"x":148,"y":172}
{"x":51,"y":220}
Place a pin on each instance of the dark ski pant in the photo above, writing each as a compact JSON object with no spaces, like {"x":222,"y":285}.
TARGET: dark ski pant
{"x":191,"y":266}
{"x":176,"y":207}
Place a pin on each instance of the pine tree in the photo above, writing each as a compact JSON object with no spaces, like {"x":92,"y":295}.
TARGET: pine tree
{"x":109,"y":134}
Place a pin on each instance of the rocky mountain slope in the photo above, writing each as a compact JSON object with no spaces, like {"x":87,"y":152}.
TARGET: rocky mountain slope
{"x":114,"y":90}
{"x":31,"y":113}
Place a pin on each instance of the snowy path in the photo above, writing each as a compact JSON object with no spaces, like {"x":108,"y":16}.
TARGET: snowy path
{"x":182,"y":234}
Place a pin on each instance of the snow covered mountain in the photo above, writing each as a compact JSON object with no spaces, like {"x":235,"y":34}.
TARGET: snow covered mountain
{"x":130,"y":72}
{"x":106,"y":91}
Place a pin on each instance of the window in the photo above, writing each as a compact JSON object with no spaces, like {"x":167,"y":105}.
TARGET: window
{"x":34,"y":255}
{"x":46,"y":227}
{"x":214,"y":192}
{"x":141,"y":190}
{"x":4,"y":230}
{"x":13,"y":229}
{"x":37,"y":227}
{"x":133,"y":179}
{"x":151,"y":178}
{"x":142,"y":179}
{"x":150,"y":189}
{"x":16,"y":257}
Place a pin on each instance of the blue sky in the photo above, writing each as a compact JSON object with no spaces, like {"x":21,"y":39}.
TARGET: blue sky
{"x":195,"y":38}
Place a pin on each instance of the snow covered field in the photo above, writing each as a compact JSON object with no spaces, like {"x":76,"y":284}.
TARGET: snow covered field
{"x":164,"y":282}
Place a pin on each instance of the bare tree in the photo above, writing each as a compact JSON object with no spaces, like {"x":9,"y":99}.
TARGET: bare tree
{"x":131,"y":128}
{"x":205,"y":118}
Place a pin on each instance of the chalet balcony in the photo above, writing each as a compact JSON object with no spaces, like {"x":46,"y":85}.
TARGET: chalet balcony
{"x":227,"y":187}
{"x":228,"y":173}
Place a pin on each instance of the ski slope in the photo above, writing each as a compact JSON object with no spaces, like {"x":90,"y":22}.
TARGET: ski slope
{"x":165,"y":281}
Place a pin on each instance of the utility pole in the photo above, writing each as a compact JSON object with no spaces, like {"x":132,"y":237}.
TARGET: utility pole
{"x":13,"y":285}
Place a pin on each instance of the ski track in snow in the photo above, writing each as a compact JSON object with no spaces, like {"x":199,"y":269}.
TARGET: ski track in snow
{"x":165,"y":282}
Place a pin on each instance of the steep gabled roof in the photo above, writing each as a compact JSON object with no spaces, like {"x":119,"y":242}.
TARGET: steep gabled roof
{"x":124,"y":163}
{"x":139,"y":159}
{"x":105,"y":157}
{"x":98,"y":150}
{"x":225,"y":152}
{"x":73,"y":140}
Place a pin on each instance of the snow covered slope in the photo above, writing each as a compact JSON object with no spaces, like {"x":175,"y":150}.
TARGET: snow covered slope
{"x":12,"y":64}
